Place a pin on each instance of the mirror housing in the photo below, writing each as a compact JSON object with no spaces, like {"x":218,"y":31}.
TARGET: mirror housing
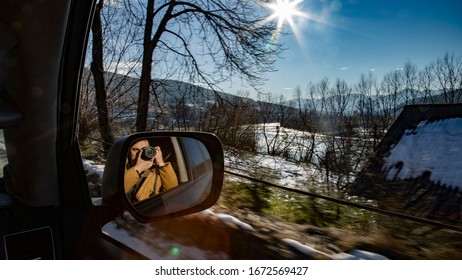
{"x":196,"y":190}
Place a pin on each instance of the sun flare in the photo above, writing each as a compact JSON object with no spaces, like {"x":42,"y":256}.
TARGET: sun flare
{"x":284,"y":11}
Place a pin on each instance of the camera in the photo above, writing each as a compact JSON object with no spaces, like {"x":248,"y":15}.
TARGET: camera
{"x":148,"y":153}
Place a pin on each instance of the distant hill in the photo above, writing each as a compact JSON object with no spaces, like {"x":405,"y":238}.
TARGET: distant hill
{"x":167,"y":91}
{"x":351,"y":102}
{"x":173,"y":93}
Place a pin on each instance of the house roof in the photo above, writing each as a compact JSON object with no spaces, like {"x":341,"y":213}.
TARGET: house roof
{"x":419,"y":161}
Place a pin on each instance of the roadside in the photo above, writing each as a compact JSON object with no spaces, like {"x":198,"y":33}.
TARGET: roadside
{"x":232,"y":230}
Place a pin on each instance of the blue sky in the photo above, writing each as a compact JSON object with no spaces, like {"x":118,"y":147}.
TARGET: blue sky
{"x":354,"y":37}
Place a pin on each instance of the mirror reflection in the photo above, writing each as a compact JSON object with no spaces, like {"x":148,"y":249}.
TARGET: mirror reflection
{"x":157,"y":165}
{"x":147,"y":173}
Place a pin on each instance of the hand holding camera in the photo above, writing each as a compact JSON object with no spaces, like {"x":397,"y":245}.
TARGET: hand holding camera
{"x":152,"y":154}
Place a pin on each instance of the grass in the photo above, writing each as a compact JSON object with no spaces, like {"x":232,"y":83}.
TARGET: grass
{"x":295,"y":208}
{"x":343,"y":226}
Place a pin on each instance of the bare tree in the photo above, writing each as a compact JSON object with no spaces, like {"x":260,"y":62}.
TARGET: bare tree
{"x":392,"y":86}
{"x":367,"y":106}
{"x":106,"y":92}
{"x":338,"y":155}
{"x":303,"y":120}
{"x":314,"y":118}
{"x":231,"y":34}
{"x":88,"y":120}
{"x":339,"y":102}
{"x":426,"y":81}
{"x":368,"y":115}
{"x":238,"y":118}
{"x":410,"y":77}
{"x":97,"y":68}
{"x":322,"y":93}
{"x":181,"y":109}
{"x":448,"y":72}
{"x":267,"y":115}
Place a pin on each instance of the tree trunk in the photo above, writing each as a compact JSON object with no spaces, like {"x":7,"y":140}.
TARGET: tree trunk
{"x":97,"y":68}
{"x":145,"y":79}
{"x":148,"y":51}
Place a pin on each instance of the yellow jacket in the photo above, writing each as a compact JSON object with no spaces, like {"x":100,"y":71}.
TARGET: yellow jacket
{"x":166,"y":178}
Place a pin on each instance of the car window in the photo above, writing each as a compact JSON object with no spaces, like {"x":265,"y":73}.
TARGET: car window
{"x":298,"y":149}
{"x":199,"y":158}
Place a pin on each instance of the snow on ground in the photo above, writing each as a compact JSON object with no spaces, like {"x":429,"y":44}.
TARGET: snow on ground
{"x":358,"y":255}
{"x":276,"y":137}
{"x":434,"y":147}
{"x":351,"y":255}
{"x":92,"y":168}
{"x":228,"y":219}
{"x":306,"y":250}
{"x":276,"y":170}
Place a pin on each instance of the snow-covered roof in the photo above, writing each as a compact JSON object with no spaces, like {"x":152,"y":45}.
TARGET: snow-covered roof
{"x":432,"y":148}
{"x":418,"y":162}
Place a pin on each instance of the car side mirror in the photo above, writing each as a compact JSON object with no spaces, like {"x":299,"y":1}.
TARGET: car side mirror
{"x":156,"y":175}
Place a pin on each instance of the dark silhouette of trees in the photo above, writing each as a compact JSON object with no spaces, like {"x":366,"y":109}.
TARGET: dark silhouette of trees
{"x":448,"y":73}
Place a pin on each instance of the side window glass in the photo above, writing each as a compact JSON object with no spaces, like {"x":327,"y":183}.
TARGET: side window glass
{"x":197,"y":158}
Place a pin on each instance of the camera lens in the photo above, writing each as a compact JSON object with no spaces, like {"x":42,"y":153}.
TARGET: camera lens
{"x":148,"y":153}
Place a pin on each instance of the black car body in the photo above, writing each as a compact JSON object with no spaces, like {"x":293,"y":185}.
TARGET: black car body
{"x":46,"y":211}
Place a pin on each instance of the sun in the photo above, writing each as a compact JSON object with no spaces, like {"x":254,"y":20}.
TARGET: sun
{"x":284,"y":11}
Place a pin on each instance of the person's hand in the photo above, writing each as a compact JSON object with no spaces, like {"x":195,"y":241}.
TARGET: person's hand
{"x":159,"y":159}
{"x":143,"y":165}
